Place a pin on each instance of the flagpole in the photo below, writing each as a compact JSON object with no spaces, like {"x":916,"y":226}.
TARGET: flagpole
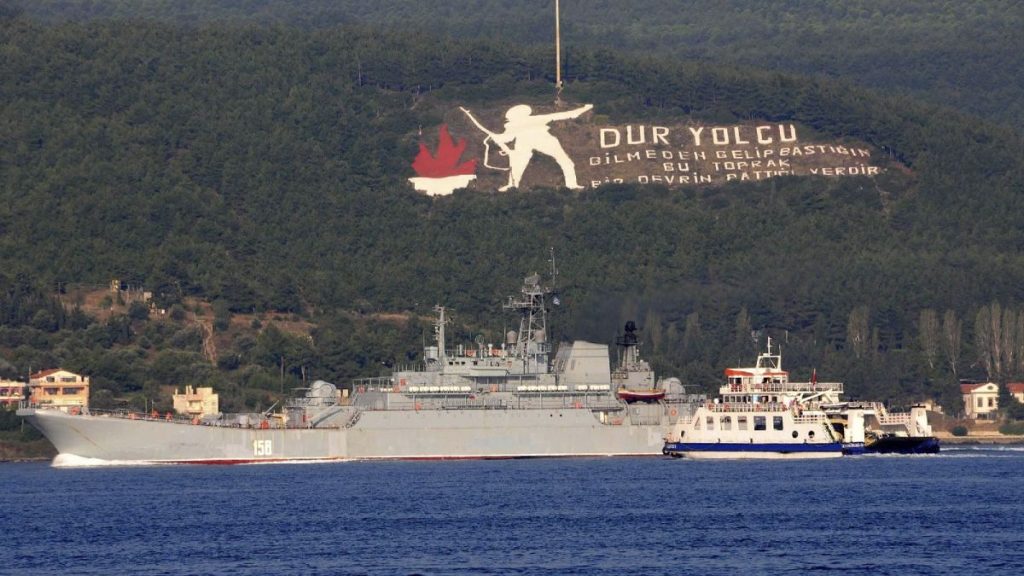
{"x":558,"y":53}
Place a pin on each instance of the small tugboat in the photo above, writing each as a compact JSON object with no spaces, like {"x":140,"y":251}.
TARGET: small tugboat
{"x":760,"y":414}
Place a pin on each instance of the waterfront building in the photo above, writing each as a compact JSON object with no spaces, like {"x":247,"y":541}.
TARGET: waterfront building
{"x":981,"y":400}
{"x":58,"y":388}
{"x":196,"y":402}
{"x":12,"y":392}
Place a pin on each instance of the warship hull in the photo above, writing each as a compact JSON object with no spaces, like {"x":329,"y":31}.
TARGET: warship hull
{"x":426,"y":434}
{"x":469,"y":401}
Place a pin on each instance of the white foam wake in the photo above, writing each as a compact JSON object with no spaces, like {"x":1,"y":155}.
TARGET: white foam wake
{"x":75,"y":461}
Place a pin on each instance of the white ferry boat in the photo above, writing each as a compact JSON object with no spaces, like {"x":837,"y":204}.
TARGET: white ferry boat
{"x":761,"y":414}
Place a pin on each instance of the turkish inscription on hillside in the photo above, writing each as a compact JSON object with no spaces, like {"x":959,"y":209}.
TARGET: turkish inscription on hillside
{"x":523,"y":146}
{"x":713,"y":154}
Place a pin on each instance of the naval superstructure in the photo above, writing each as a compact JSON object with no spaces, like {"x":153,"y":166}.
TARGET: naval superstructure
{"x":475,"y":400}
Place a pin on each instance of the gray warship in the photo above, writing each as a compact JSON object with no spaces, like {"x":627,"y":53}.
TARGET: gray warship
{"x":473,"y":401}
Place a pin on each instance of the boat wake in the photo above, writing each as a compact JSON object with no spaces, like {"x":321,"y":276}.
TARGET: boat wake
{"x":75,"y":461}
{"x":985,"y":448}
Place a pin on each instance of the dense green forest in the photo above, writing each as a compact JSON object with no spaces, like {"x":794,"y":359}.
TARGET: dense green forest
{"x":261,"y":168}
{"x":968,"y":55}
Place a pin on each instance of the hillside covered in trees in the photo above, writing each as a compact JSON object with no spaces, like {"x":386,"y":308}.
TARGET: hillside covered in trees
{"x":262,"y":169}
{"x":967,"y":55}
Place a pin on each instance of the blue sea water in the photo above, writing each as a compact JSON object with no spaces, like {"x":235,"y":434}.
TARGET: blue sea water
{"x":959,"y":512}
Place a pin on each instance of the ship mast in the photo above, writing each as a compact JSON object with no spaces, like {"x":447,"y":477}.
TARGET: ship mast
{"x":531,"y":344}
{"x":440,"y":335}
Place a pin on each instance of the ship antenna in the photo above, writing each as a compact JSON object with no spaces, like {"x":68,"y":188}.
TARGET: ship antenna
{"x":558,"y":55}
{"x":554,"y":270}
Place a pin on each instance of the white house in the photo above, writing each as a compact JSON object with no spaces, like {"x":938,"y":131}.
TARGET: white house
{"x":981,"y":401}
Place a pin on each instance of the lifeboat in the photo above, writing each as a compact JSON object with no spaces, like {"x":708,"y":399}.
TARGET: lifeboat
{"x":640,"y":394}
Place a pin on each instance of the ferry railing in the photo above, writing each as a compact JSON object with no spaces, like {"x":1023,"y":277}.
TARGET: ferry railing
{"x":778,"y":387}
{"x":747,"y":407}
{"x":810,"y":418}
{"x":899,"y":418}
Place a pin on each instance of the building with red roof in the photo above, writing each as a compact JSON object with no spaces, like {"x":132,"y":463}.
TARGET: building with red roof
{"x":981,"y":400}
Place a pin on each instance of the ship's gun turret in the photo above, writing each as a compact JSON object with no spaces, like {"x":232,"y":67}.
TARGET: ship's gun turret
{"x":319,"y":401}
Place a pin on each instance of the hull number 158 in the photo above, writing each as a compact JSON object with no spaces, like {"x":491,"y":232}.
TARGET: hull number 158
{"x":262,"y":448}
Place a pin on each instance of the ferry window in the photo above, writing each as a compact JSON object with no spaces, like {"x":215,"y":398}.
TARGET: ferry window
{"x":759,"y":423}
{"x":777,"y":422}
{"x":726,"y":422}
{"x":741,"y":422}
{"x":810,"y":434}
{"x":52,"y":390}
{"x":72,"y":390}
{"x":711,"y":422}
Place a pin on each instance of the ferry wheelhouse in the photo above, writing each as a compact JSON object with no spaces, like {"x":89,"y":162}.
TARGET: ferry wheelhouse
{"x":759,"y":413}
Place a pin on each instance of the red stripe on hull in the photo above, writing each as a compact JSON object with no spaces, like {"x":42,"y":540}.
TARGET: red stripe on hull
{"x":228,"y":462}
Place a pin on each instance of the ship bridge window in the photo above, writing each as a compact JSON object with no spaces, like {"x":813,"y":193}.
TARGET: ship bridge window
{"x":759,"y":423}
{"x":711,"y":422}
{"x":741,"y":422}
{"x":777,"y":422}
{"x":726,"y":422}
